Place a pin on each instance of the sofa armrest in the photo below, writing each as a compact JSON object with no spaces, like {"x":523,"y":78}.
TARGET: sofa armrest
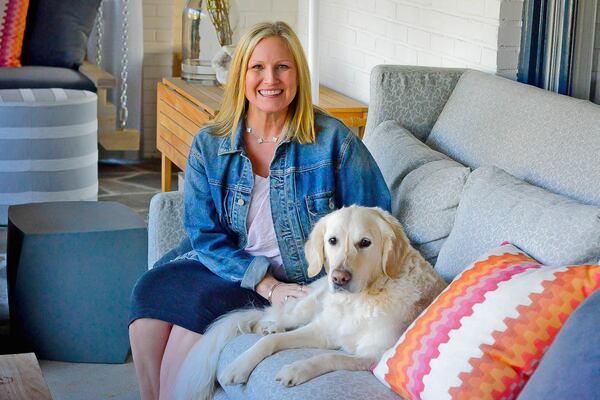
{"x":165,"y":224}
{"x":100,"y":78}
{"x":411,"y":95}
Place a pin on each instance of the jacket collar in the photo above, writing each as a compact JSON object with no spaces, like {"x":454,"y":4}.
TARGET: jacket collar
{"x":225,"y":146}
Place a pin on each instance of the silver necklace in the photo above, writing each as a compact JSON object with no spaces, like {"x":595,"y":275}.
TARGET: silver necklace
{"x":260,"y":139}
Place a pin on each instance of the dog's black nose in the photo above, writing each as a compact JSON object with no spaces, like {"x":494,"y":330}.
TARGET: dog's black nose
{"x":341,"y":277}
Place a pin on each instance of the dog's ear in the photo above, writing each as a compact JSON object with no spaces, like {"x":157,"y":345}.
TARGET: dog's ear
{"x":396,"y":246}
{"x":313,"y":248}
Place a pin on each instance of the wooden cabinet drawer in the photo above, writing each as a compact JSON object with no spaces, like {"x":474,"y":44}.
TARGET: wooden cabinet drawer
{"x":183,"y":106}
{"x":178,"y":121}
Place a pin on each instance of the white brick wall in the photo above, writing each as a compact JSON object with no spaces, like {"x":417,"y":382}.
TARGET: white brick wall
{"x":158,"y":62}
{"x":355,"y":36}
{"x":162,"y":40}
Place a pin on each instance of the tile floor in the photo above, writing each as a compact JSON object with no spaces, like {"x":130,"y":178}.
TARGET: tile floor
{"x":132,"y":185}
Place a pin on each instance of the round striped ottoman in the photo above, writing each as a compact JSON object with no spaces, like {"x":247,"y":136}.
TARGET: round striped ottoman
{"x":48,"y":146}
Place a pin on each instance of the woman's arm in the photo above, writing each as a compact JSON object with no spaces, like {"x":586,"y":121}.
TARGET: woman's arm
{"x":215,"y":248}
{"x":359,"y":179}
{"x":278,"y":292}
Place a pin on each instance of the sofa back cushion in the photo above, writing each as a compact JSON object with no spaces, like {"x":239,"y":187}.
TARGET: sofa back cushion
{"x":425,"y":185}
{"x":13,"y":14}
{"x":497,"y":207}
{"x":550,"y":140}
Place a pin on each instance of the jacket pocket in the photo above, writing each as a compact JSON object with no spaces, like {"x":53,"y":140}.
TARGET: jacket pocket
{"x":319,"y":205}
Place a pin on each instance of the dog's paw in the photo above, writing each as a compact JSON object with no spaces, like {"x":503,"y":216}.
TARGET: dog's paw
{"x":294,"y":374}
{"x":234,"y":374}
{"x":265,"y":327}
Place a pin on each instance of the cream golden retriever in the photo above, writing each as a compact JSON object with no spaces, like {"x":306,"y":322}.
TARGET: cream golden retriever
{"x":376,"y":285}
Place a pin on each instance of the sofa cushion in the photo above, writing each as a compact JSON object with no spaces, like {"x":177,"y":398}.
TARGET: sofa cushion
{"x":38,"y":77}
{"x":426,"y":203}
{"x":497,"y":207}
{"x":425,"y":184}
{"x":577,"y":345}
{"x":58,"y":31}
{"x":13,"y":15}
{"x":549,"y":140}
{"x":349,"y":385}
{"x":484,"y":335}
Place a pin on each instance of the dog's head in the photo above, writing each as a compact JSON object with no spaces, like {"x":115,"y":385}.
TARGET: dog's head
{"x":357,"y":245}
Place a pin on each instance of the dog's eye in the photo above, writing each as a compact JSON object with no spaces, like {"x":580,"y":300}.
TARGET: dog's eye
{"x":364,"y":243}
{"x":332,"y":241}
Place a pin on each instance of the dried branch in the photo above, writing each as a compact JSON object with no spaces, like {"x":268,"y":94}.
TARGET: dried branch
{"x":219,"y":15}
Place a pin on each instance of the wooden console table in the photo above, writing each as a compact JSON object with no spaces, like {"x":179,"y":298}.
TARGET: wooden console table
{"x":183,"y":107}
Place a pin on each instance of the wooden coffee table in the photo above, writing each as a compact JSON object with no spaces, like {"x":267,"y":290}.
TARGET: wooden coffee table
{"x":21,"y":378}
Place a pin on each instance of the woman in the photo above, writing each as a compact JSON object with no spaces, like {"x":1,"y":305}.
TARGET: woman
{"x":257,"y":179}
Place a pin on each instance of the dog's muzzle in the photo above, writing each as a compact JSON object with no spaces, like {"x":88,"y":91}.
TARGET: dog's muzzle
{"x":340,"y":278}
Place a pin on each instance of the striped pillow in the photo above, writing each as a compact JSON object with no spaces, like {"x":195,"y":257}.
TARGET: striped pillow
{"x":484,"y":336}
{"x":12,"y":29}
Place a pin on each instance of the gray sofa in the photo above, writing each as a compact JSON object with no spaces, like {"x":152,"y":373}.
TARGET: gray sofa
{"x":430,"y":130}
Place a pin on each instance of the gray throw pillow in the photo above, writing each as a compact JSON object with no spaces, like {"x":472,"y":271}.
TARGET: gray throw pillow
{"x":57,"y":32}
{"x":425,"y":184}
{"x":496,"y":207}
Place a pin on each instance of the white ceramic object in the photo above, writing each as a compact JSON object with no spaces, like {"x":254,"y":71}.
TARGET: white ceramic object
{"x":222,"y":61}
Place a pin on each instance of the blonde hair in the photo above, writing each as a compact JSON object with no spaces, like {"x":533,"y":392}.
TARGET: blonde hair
{"x":300,"y":124}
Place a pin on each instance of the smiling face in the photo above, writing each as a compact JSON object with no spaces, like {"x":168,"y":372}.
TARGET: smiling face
{"x":271,"y":79}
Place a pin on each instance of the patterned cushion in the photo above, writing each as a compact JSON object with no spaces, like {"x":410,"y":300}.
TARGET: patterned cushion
{"x":496,"y":207}
{"x":13,"y":14}
{"x":425,"y":185}
{"x":577,"y":344}
{"x":483,"y":337}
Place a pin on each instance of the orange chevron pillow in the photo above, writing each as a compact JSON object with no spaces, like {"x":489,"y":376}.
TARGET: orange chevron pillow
{"x":483,"y":337}
{"x":12,"y":29}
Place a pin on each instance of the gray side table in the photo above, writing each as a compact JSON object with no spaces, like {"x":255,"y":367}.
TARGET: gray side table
{"x":71,"y":267}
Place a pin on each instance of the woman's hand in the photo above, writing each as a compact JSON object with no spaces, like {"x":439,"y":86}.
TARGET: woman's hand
{"x":280,"y":291}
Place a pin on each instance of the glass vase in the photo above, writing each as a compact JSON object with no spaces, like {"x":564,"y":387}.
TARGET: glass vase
{"x":192,"y":67}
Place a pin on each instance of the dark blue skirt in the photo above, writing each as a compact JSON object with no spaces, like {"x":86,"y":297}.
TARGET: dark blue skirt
{"x":188,"y":294}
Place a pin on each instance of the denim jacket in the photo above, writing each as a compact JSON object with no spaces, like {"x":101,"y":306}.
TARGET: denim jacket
{"x":307,"y":181}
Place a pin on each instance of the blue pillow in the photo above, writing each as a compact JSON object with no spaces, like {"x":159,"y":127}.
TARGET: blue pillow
{"x":570,"y":369}
{"x":57,"y":32}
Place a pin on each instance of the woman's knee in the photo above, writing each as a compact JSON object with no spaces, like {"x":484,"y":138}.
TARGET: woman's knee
{"x":148,"y":327}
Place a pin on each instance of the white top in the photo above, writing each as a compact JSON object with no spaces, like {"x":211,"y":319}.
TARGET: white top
{"x":261,"y":232}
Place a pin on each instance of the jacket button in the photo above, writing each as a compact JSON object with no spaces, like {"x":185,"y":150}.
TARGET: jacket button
{"x":331,"y":205}
{"x":241,"y":202}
